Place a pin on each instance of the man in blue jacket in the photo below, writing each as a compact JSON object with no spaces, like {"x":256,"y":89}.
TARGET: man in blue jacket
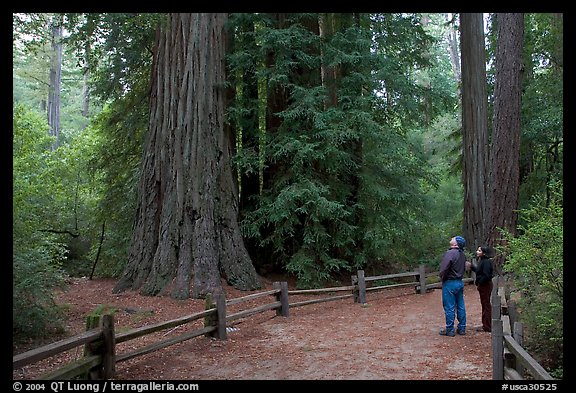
{"x":451,"y":273}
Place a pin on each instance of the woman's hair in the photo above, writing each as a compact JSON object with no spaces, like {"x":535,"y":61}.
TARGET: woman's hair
{"x":487,"y":251}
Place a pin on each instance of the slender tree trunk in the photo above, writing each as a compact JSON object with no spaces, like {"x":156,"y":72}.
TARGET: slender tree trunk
{"x":474,"y":127}
{"x":250,"y":140}
{"x":85,"y":95}
{"x":452,"y":38}
{"x":186,"y":235}
{"x":86,"y":75}
{"x":505,"y":147}
{"x":55,"y":80}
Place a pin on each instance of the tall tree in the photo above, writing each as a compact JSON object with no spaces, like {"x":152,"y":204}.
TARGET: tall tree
{"x":247,"y":122}
{"x":186,"y":236}
{"x":85,"y":86}
{"x":55,"y":80}
{"x":541,"y":148}
{"x":505,"y":147}
{"x":452,"y":38}
{"x":474,"y":126}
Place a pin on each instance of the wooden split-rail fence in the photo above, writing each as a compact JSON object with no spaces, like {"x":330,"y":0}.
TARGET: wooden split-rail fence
{"x":510,"y":360}
{"x":100,"y":340}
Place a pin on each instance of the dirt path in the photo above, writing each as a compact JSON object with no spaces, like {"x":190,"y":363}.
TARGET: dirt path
{"x":393,"y":337}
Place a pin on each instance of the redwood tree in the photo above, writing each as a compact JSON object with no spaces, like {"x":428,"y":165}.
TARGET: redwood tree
{"x":55,"y":80}
{"x":186,"y":236}
{"x":474,"y":127}
{"x":505,"y":147}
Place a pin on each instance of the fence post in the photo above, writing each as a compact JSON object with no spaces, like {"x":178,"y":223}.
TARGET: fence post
{"x":109,"y":347}
{"x":92,"y":322}
{"x":495,"y":285}
{"x":218,"y":318}
{"x":518,"y":335}
{"x":282,"y":297}
{"x":497,"y":339}
{"x":513,"y":315}
{"x":209,"y":320}
{"x":361,"y":287}
{"x":220,"y":332}
{"x":497,"y":350}
{"x":496,"y":306}
{"x":422,"y":274}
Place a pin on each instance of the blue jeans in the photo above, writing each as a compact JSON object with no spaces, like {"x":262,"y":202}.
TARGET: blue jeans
{"x":453,"y":303}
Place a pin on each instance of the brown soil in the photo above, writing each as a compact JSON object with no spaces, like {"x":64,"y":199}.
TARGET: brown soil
{"x":392,"y":337}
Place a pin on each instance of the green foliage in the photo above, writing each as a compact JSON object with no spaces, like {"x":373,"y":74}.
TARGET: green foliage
{"x":120,"y":76}
{"x":37,"y":256}
{"x":116,"y":48}
{"x":535,"y":261}
{"x":32,"y":53}
{"x":535,"y":257}
{"x":542,"y":112}
{"x":441,"y":215}
{"x":118,"y":142}
{"x":542,"y":105}
{"x":34,"y":276}
{"x":348,"y":185}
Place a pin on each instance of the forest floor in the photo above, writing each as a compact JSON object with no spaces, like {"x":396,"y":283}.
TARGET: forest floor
{"x":394,"y":336}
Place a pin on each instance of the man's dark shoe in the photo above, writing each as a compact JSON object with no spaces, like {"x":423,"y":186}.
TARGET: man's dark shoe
{"x":461,"y":332}
{"x":443,"y":332}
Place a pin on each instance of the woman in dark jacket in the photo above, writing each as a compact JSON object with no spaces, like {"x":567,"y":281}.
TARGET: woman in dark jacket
{"x":484,"y":271}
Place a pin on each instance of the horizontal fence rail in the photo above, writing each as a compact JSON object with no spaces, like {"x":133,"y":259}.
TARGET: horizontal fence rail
{"x":35,"y":355}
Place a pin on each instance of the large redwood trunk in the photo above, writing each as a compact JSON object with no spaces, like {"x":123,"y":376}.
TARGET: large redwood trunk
{"x":475,"y":128}
{"x":186,"y":236}
{"x":504,"y":159}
